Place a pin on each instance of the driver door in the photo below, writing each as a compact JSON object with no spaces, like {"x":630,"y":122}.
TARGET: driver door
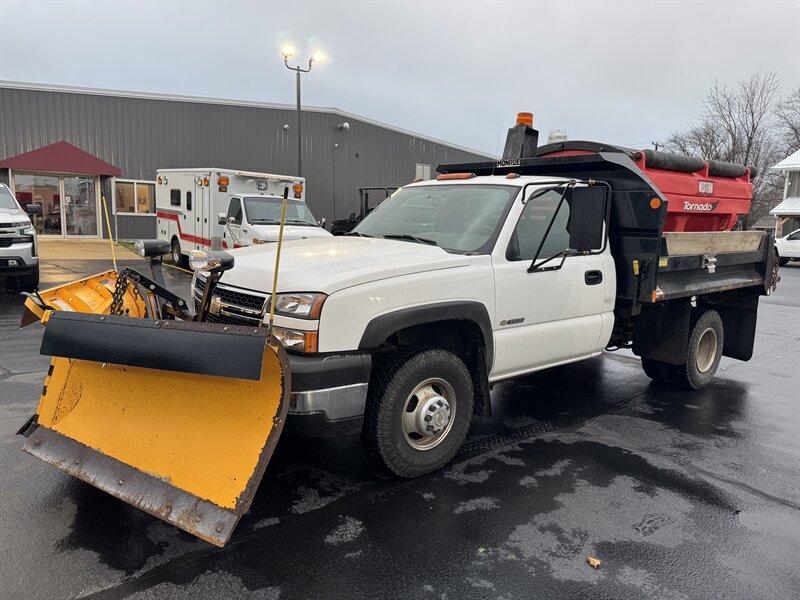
{"x":546,"y":318}
{"x":232,"y":232}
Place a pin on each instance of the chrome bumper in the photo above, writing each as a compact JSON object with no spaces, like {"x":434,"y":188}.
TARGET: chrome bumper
{"x":23,"y":253}
{"x":335,"y":403}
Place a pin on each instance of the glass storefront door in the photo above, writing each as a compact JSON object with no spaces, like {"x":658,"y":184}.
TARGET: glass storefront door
{"x":68,"y":204}
{"x":80,"y":206}
{"x":44,"y":190}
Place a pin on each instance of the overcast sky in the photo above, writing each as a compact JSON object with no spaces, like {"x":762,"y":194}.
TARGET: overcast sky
{"x":622,"y":72}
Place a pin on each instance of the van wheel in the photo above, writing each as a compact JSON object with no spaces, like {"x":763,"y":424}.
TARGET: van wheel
{"x":419,"y":407}
{"x":177,"y":257}
{"x":30,"y":281}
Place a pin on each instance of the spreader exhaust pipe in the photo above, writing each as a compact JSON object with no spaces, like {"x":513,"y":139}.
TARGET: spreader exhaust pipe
{"x":522,"y":139}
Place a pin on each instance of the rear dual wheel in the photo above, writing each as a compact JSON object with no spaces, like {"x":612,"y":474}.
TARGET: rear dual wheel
{"x":703,"y":354}
{"x":418,"y":411}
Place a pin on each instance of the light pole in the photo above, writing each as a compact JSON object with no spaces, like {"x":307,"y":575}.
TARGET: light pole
{"x":287,"y":52}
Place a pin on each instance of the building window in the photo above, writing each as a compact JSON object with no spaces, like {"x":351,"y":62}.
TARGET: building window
{"x":175,"y":197}
{"x":135,"y":197}
{"x":422,"y":172}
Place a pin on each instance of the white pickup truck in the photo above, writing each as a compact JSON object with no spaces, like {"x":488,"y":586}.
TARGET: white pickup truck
{"x":495,"y":270}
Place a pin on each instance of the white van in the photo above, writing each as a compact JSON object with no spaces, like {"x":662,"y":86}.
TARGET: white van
{"x":217,"y":209}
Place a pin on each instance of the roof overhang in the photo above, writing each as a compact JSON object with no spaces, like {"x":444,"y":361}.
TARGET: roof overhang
{"x":788,"y":208}
{"x":790,"y":163}
{"x":61,"y":157}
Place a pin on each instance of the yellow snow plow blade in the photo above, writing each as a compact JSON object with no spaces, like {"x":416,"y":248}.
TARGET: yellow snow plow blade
{"x":91,"y":294}
{"x":178,"y":418}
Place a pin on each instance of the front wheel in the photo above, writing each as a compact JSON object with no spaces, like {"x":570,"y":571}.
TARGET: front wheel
{"x":177,"y":256}
{"x":418,"y":411}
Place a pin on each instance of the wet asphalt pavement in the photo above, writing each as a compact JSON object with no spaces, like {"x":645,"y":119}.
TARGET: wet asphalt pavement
{"x":679,"y":494}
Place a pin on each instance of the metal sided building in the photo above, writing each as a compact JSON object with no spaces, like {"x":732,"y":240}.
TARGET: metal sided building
{"x":69,"y":149}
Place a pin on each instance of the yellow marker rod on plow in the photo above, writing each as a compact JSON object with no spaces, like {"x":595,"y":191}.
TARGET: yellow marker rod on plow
{"x":277,"y":259}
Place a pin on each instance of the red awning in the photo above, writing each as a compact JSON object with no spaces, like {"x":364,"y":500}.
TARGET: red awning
{"x":61,"y":157}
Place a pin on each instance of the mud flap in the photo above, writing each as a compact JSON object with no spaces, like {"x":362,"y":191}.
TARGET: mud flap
{"x":177,"y":421}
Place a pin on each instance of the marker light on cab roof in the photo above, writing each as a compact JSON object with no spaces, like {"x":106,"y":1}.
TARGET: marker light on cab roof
{"x":447,"y":176}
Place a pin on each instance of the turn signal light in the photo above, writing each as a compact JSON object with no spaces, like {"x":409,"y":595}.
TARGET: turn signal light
{"x":455,"y":176}
{"x":159,"y":180}
{"x":655,"y":203}
{"x":298,"y":188}
{"x":525,"y":118}
{"x":223,"y":180}
{"x":205,"y":181}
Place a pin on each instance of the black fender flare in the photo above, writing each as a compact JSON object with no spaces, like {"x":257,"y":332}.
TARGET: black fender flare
{"x":382,"y":326}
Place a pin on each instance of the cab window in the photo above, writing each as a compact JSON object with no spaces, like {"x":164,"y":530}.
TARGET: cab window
{"x":533,"y":223}
{"x":235,"y":211}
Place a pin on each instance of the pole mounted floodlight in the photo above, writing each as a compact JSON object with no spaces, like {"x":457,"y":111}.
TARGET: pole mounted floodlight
{"x":287,"y":52}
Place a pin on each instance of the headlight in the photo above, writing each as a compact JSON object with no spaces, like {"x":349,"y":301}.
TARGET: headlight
{"x":300,"y":305}
{"x":29,"y":231}
{"x":304,"y":341}
{"x":200,"y":260}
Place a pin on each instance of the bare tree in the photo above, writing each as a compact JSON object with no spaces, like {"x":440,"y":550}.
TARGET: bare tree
{"x":787,"y":114}
{"x":738,"y":125}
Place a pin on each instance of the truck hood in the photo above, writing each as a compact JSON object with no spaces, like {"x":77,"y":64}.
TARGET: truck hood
{"x":290,"y":232}
{"x":334,"y":263}
{"x":13,"y":215}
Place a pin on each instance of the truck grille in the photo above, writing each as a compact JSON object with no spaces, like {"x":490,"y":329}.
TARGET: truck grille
{"x":5,"y":242}
{"x":233,"y":307}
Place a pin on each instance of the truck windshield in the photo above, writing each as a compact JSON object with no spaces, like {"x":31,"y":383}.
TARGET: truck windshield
{"x":457,"y":218}
{"x":263,"y":210}
{"x":7,"y":201}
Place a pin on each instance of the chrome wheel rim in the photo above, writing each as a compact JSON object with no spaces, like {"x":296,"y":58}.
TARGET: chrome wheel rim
{"x":176,"y":254}
{"x":706,"y":350}
{"x":428,"y":414}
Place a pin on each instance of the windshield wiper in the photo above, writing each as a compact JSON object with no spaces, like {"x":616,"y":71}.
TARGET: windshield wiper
{"x":265,"y":222}
{"x":411,"y":238}
{"x":359,"y":234}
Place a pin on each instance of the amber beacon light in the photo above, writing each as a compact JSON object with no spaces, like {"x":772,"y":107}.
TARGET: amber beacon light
{"x":525,"y":118}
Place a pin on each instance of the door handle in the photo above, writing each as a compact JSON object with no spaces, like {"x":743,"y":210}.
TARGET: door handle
{"x":593,"y":277}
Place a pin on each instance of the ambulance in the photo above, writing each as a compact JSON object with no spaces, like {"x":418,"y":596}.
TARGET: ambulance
{"x":219,"y":209}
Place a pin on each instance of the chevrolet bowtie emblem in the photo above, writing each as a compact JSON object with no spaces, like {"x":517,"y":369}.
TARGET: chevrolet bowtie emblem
{"x":216,"y":305}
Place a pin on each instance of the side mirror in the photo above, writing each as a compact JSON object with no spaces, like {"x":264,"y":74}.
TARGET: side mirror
{"x":586,"y":218}
{"x":322,"y":223}
{"x":33,"y":209}
{"x":222,"y":219}
{"x":352,"y":216}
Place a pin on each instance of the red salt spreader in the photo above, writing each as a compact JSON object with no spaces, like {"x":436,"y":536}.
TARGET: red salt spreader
{"x":702,"y":195}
